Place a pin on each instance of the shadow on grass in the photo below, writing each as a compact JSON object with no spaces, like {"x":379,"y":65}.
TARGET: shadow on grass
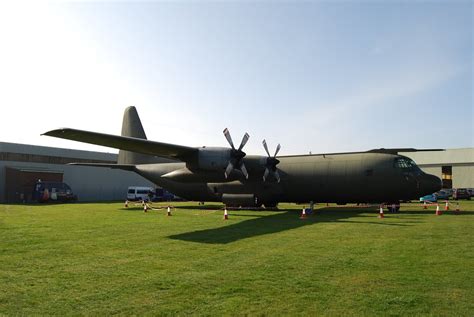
{"x":285,"y":219}
{"x":201,"y":207}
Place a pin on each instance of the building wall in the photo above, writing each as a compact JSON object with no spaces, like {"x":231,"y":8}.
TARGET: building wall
{"x":461,"y":161}
{"x":436,"y":171}
{"x":446,"y":157}
{"x":88,"y":183}
{"x":463,"y":177}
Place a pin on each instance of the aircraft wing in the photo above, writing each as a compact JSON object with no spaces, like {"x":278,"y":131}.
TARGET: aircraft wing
{"x":382,"y":150}
{"x":144,"y":146}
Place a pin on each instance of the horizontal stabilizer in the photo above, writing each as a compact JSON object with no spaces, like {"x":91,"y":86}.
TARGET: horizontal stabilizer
{"x":127,"y":167}
{"x":171,"y":151}
{"x":398,"y":150}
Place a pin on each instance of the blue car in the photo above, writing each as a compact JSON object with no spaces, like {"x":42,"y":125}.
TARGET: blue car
{"x":431,"y":198}
{"x":442,"y":195}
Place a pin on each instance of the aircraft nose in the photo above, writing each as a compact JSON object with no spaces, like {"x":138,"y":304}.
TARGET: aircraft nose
{"x":430,"y":184}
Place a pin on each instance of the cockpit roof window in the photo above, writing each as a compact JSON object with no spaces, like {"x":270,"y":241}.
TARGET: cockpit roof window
{"x":405,"y":163}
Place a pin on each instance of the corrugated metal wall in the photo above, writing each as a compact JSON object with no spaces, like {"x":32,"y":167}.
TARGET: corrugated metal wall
{"x":436,"y":171}
{"x":88,"y":183}
{"x":463,"y":177}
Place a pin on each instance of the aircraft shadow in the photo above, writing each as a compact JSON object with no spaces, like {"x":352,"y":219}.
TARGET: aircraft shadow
{"x":268,"y":224}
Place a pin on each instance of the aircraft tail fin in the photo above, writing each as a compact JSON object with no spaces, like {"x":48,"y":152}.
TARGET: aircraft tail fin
{"x":132,"y":127}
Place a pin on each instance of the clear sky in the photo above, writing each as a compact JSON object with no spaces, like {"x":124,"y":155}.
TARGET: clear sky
{"x":313,"y":76}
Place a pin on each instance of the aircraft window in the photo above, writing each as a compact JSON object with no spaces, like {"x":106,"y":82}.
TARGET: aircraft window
{"x":404,"y":163}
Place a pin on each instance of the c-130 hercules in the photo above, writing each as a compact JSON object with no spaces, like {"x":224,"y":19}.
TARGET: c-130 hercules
{"x":237,"y":179}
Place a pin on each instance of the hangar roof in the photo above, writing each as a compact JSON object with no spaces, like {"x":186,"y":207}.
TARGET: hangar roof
{"x":52,"y":151}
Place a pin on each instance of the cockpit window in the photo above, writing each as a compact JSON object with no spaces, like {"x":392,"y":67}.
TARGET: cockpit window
{"x":405,"y":163}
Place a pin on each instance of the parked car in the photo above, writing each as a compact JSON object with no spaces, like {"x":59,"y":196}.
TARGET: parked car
{"x":140,"y":193}
{"x":53,"y":191}
{"x":461,"y":193}
{"x":431,"y":198}
{"x":442,"y":195}
{"x":449,"y":191}
{"x":471,"y":191}
{"x":164,"y":195}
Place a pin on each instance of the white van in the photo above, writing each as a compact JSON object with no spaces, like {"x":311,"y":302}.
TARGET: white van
{"x":139,"y":193}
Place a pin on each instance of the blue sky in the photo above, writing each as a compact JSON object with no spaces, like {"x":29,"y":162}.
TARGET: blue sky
{"x":313,"y":76}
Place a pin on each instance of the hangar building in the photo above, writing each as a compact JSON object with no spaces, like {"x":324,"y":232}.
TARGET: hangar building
{"x":22,"y":165}
{"x":454,"y":166}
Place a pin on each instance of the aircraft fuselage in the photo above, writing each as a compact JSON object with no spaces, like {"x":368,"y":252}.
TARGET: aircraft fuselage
{"x":342,"y":178}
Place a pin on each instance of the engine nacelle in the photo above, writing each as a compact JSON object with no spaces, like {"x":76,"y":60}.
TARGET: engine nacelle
{"x":211,"y":159}
{"x":216,"y":159}
{"x":240,"y":200}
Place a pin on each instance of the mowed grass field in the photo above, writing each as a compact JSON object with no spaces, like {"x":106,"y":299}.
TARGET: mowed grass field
{"x":101,"y":259}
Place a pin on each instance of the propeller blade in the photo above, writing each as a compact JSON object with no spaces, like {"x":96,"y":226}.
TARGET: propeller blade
{"x":244,"y":170}
{"x":229,"y":138}
{"x":244,"y":141}
{"x":277,"y":176}
{"x":265,"y":175}
{"x":228,"y":169}
{"x":277,"y":150}
{"x":266,"y":147}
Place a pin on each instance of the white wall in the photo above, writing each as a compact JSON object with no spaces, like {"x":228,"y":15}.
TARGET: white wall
{"x":463,"y":176}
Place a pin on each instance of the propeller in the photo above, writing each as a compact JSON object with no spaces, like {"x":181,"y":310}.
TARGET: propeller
{"x":272,"y":161}
{"x":236,"y":155}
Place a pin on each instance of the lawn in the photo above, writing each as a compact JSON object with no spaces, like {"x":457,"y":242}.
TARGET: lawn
{"x":96,"y":259}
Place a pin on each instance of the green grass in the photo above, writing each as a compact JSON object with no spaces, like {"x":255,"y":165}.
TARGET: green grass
{"x":92,"y":259}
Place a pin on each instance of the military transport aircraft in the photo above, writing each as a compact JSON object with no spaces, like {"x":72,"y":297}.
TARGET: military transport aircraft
{"x":237,"y":179}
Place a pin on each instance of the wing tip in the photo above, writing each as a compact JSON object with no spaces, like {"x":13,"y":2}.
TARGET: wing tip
{"x":55,"y":132}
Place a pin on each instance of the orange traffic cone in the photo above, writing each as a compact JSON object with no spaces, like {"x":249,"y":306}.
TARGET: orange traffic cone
{"x":381,"y":215}
{"x":446,"y":207}
{"x":438,"y":211}
{"x":226,"y":215}
{"x":168,"y":212}
{"x":424,"y":205}
{"x":126,"y":204}
{"x":145,"y":207}
{"x":303,"y":214}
